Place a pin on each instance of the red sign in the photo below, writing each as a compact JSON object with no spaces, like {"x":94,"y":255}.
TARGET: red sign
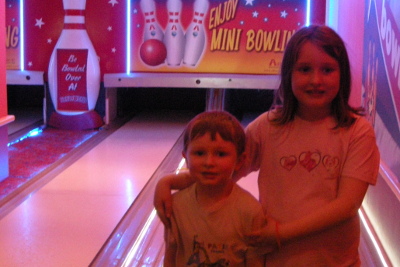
{"x":13,"y":35}
{"x":213,"y":36}
{"x":240,"y":36}
{"x":71,"y":79}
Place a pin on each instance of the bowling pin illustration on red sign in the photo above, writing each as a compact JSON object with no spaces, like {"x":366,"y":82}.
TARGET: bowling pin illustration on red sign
{"x":174,"y":38}
{"x":152,"y":51}
{"x":152,"y":28}
{"x":195,"y":34}
{"x":74,"y":69}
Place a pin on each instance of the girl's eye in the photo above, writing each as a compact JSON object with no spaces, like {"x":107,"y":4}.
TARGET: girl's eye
{"x":328,"y":70}
{"x":304,"y":69}
{"x":221,"y":154}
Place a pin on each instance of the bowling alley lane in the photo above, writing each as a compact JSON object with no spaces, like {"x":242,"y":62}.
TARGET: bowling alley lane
{"x":67,"y":221}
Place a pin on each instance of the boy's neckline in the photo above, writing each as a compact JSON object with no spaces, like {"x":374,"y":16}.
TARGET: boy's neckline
{"x":207,"y":198}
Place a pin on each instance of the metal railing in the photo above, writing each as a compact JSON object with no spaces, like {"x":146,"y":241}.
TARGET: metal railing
{"x":138,"y":240}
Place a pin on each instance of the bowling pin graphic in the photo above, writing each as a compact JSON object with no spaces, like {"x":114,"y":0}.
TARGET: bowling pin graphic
{"x":152,"y":29}
{"x":195,"y":34}
{"x":174,"y":38}
{"x":74,"y":70}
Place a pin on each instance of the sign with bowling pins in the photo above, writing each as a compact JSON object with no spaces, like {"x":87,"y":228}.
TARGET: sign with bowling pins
{"x":210,"y":36}
{"x":228,"y":36}
{"x":74,"y":70}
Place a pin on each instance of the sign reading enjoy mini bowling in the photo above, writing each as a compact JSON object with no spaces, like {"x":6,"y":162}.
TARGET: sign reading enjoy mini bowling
{"x":209,"y":36}
{"x":195,"y":36}
{"x":71,"y":79}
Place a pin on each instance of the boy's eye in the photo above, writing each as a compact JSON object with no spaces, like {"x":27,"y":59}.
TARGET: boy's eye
{"x":198,"y":153}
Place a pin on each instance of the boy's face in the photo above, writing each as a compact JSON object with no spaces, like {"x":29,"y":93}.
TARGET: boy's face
{"x":212,"y":162}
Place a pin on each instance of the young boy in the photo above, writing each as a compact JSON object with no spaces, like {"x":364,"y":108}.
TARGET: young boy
{"x":211,"y":217}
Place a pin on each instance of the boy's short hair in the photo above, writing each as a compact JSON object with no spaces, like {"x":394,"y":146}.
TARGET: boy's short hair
{"x":213,"y":122}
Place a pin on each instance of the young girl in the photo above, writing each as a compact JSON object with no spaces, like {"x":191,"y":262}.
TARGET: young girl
{"x":212,"y":216}
{"x":316,"y":157}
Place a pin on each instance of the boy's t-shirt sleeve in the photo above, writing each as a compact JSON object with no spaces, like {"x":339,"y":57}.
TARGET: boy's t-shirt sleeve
{"x":253,"y":220}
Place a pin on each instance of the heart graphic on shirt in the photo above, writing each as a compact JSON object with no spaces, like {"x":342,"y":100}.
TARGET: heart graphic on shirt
{"x":330,"y":163}
{"x":288,"y":162}
{"x":309,"y":160}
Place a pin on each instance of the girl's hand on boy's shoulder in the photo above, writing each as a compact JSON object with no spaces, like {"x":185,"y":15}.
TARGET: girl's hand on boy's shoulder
{"x":163,"y":201}
{"x":264,"y":237}
{"x":163,"y":196}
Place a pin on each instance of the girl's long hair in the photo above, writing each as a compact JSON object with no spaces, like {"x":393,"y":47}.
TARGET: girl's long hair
{"x":286,"y":104}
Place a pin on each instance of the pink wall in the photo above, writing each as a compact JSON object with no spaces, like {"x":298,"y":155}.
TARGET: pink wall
{"x":381,"y":204}
{"x":351,"y":28}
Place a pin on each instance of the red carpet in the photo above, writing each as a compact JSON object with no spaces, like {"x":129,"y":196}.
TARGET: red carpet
{"x":32,"y":154}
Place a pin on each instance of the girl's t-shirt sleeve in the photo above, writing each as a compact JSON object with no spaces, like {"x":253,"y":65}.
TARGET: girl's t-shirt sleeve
{"x":253,"y":145}
{"x":363,"y":158}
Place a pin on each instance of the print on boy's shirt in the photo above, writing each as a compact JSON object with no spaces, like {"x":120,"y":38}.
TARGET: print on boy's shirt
{"x":310,"y":160}
{"x":200,"y":256}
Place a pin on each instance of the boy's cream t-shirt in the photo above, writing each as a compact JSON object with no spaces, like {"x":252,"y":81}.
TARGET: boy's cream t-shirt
{"x":215,"y":235}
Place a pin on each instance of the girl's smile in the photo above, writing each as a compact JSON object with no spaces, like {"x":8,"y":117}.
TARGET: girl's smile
{"x":315,"y":82}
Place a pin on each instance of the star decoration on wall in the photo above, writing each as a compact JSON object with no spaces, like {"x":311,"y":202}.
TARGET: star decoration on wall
{"x":39,"y":22}
{"x":249,"y":2}
{"x":113,"y":2}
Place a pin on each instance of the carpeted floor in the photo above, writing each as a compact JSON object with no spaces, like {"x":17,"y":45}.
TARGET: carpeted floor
{"x":35,"y":152}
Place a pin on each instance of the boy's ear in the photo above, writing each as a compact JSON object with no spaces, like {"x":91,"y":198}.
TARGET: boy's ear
{"x":240,"y":161}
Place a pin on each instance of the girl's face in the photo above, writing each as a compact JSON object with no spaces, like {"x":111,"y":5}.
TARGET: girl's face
{"x":315,"y":82}
{"x":211,"y":162}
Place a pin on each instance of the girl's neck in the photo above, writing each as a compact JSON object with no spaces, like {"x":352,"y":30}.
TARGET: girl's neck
{"x":209,"y":195}
{"x":314,"y":115}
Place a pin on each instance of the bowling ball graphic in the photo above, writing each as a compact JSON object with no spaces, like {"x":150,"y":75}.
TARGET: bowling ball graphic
{"x":153,"y":52}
